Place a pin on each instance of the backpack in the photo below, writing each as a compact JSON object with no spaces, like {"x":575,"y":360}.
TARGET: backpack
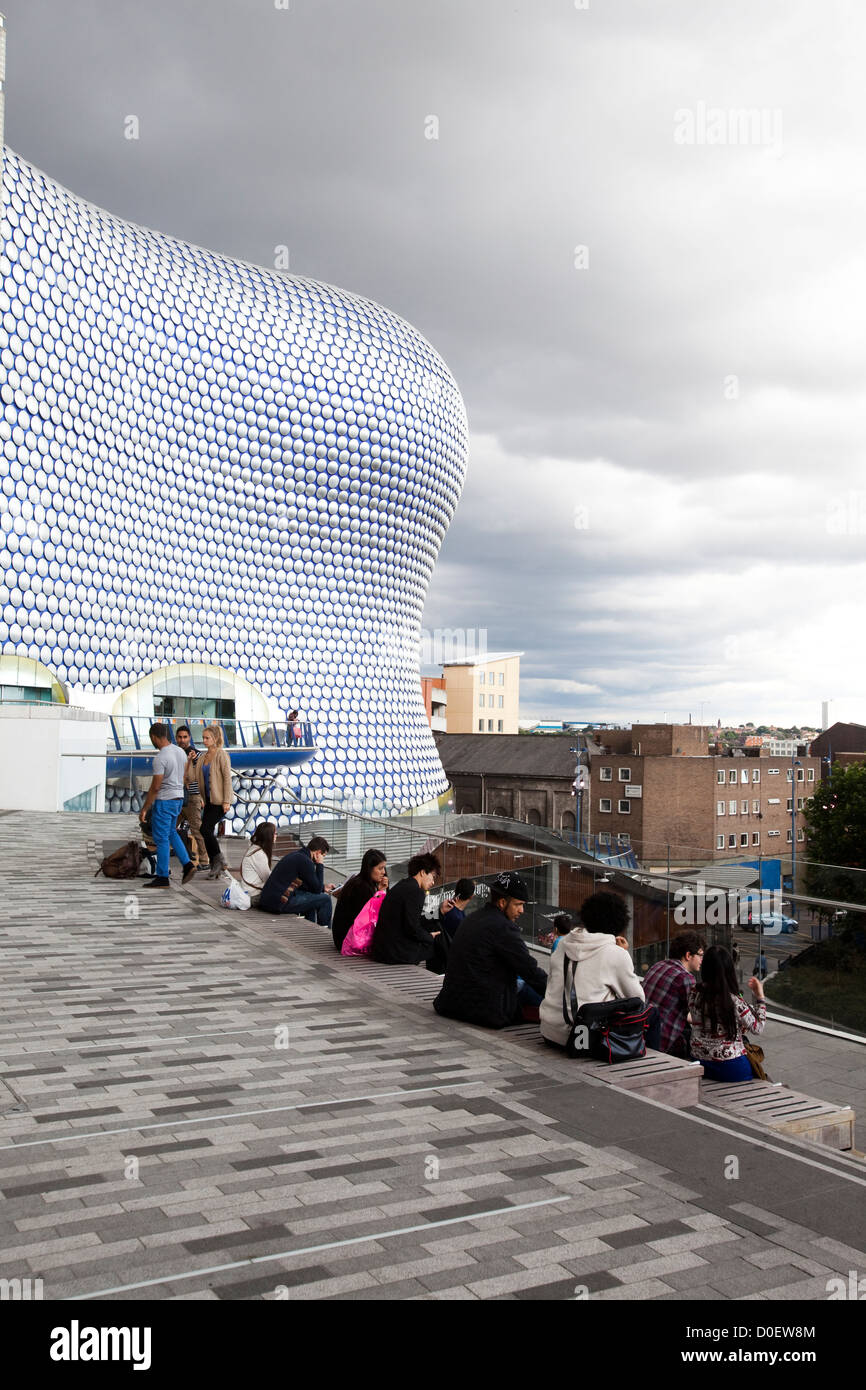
{"x":609,"y":1032}
{"x":359,"y":937}
{"x":124,"y":862}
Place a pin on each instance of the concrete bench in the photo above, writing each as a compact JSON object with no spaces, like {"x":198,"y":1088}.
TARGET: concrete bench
{"x":656,"y":1076}
{"x":783,"y":1110}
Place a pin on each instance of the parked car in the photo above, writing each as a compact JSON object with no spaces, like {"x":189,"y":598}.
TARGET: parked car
{"x":776,"y":923}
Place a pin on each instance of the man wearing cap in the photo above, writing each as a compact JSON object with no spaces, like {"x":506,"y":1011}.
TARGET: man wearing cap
{"x":488,"y":957}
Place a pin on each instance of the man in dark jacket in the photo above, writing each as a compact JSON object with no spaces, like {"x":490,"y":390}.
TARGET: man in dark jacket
{"x":400,"y":937}
{"x":487,"y":957}
{"x":297,"y":884}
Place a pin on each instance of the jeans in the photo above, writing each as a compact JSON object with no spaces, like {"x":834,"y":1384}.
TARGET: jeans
{"x":164,"y":823}
{"x":211,"y":817}
{"x":316,"y":907}
{"x":735,"y":1069}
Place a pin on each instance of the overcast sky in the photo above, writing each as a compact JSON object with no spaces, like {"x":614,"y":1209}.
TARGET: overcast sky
{"x":638,"y":241}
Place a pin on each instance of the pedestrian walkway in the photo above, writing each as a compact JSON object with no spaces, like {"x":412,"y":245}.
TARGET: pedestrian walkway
{"x":200,"y":1108}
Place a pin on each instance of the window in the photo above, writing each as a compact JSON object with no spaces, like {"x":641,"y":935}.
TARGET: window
{"x":801,"y":774}
{"x":744,"y":840}
{"x":772,"y":772}
{"x":799,"y":803}
{"x":625,"y":774}
{"x":789,"y":805}
{"x":480,"y":701}
{"x":720,"y":842}
{"x":624,"y":806}
{"x":744,"y":774}
{"x":604,"y":837}
{"x":490,"y":726}
{"x":789,"y":774}
{"x":756,"y":837}
{"x":720,"y":776}
{"x":756,"y":774}
{"x":502,"y":702}
{"x":624,"y":838}
{"x":481,"y":726}
{"x":720,"y":808}
{"x":499,"y":726}
{"x":773,"y":801}
{"x":480,"y":677}
{"x":744,"y":808}
{"x":732,"y":842}
{"x":732,"y":775}
{"x":773,"y":833}
{"x":606,"y":774}
{"x":732,"y":808}
{"x":604,"y":805}
{"x":756,"y":808}
{"x":801,"y":834}
{"x":810,"y":777}
{"x":788,"y":836}
{"x":501,"y":677}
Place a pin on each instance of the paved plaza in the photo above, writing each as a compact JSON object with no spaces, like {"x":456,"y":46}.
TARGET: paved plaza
{"x":209,"y":1105}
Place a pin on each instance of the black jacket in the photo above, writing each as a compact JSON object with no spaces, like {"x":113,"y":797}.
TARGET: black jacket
{"x":485,"y":958}
{"x":400,"y":937}
{"x":355,"y":893}
{"x":299,"y":864}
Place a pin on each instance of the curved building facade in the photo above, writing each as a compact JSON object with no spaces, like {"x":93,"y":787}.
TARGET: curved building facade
{"x":203,"y":461}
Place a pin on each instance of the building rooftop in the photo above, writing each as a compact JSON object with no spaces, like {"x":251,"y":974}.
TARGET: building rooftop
{"x":482,"y":660}
{"x":509,"y":754}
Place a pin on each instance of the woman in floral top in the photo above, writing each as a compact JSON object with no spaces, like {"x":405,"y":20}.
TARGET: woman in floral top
{"x":719,"y":1016}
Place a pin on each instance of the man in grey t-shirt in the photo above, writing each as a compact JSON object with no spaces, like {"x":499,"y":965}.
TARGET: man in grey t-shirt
{"x":166,"y":798}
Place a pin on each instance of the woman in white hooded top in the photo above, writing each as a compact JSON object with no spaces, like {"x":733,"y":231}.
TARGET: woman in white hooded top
{"x":604,"y":967}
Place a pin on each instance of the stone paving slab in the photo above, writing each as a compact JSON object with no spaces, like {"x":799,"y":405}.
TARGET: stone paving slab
{"x":213,"y":1107}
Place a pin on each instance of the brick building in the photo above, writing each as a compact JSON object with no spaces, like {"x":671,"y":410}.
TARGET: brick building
{"x":842,"y":743}
{"x":660,"y":786}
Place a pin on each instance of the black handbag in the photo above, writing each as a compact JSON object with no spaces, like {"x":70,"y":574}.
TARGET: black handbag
{"x":610,"y":1032}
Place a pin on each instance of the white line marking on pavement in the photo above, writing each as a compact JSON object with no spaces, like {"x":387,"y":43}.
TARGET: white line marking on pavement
{"x":316,"y":1249}
{"x":232,"y":1115}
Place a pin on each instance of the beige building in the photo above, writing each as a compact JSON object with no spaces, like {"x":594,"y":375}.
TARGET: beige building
{"x":484,"y":694}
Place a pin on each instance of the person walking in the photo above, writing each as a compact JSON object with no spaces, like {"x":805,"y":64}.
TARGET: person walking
{"x":191,"y":811}
{"x":760,"y":966}
{"x":213,"y":774}
{"x":165,"y":796}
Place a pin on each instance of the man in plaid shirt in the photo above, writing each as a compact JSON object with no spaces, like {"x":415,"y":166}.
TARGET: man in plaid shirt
{"x":667,"y":985}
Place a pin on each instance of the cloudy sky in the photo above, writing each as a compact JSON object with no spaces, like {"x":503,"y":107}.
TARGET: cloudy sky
{"x":637,"y":235}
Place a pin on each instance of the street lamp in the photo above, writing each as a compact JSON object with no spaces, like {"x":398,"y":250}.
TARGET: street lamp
{"x":795,"y":762}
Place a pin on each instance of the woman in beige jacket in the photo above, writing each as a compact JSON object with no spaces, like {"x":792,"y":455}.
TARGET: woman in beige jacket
{"x":214,"y":775}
